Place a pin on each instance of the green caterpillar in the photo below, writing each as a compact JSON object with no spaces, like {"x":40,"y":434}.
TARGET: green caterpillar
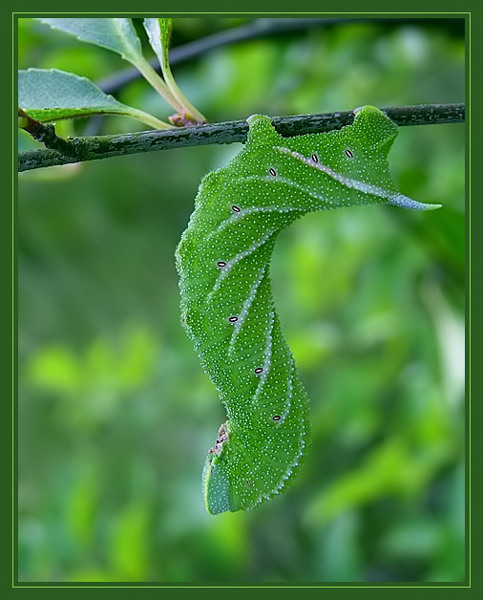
{"x":223,"y":261}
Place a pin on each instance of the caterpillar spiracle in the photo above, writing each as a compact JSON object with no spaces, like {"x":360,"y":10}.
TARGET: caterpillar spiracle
{"x":223,"y":260}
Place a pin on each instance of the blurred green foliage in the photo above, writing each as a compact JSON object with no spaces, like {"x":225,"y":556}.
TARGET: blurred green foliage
{"x":115,"y":414}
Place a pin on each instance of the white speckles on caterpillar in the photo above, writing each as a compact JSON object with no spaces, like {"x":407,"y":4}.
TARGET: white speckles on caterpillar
{"x":223,"y":261}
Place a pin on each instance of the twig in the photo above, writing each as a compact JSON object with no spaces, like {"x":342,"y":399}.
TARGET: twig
{"x":98,"y":147}
{"x":45,"y":133}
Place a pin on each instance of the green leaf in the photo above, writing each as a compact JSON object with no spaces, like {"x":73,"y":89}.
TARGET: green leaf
{"x":50,"y":95}
{"x":118,"y":35}
{"x":159,"y":34}
{"x":223,"y":261}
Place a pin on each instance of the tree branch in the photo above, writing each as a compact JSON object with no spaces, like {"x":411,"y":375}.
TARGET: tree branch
{"x":97,"y":147}
{"x":45,"y":133}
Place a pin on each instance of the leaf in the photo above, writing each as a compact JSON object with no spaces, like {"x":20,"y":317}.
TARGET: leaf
{"x":118,"y":35}
{"x":223,"y":261}
{"x":50,"y":95}
{"x":159,"y":34}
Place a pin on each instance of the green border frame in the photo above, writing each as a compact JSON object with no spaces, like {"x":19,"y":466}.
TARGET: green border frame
{"x":472,"y":287}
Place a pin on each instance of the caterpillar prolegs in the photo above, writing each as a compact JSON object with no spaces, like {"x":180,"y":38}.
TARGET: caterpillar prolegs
{"x":223,"y":261}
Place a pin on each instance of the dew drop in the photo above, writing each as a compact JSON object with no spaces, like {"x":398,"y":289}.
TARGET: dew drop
{"x":315,"y":158}
{"x":272,"y":172}
{"x":348,"y":153}
{"x":258,"y":370}
{"x":221,"y":263}
{"x":233,"y":319}
{"x":235,"y":208}
{"x":276,"y":417}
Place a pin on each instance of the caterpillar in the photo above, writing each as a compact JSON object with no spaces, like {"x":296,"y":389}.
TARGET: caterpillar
{"x":223,"y":261}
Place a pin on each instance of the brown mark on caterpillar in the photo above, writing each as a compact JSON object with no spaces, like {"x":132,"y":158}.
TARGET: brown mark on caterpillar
{"x":223,"y":435}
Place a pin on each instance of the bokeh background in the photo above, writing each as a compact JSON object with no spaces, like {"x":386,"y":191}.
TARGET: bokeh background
{"x":115,"y":415}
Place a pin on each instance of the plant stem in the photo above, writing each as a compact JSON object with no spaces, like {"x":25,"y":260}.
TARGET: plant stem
{"x":180,"y":97}
{"x":158,"y":84}
{"x":149,"y":119}
{"x":98,"y":147}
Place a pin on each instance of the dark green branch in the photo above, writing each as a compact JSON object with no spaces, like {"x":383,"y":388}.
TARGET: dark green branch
{"x":45,"y":133}
{"x":97,"y":147}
